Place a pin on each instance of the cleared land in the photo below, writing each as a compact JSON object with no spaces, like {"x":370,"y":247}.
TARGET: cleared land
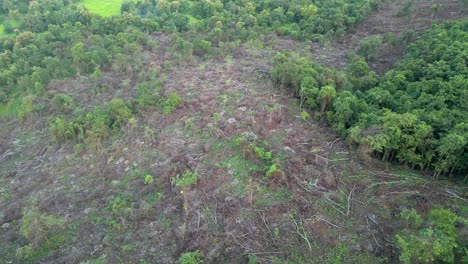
{"x":322,"y":199}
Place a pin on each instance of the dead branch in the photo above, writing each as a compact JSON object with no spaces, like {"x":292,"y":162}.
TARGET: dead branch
{"x":349,"y":199}
{"x":408,"y":192}
{"x":326,"y":221}
{"x":381,"y":183}
{"x":331,"y":145}
{"x":452,"y":194}
{"x":372,"y":233}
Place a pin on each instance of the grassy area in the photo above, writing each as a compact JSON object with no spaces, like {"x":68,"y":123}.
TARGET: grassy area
{"x":15,"y":23}
{"x":103,"y":7}
{"x":1,"y":25}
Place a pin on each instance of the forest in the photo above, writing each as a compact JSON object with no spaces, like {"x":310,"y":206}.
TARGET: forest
{"x":233,"y":131}
{"x":415,"y":114}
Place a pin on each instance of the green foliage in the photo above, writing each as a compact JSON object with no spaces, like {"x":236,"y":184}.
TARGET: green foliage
{"x":187,"y":179}
{"x":436,"y":242}
{"x":305,"y":115}
{"x":40,"y":230}
{"x":36,"y":227}
{"x":411,"y":217}
{"x":233,"y":20}
{"x":327,"y":94}
{"x":63,"y":103}
{"x":8,"y":28}
{"x":309,"y":92}
{"x":415,"y":114}
{"x":201,"y":47}
{"x":62,"y":130}
{"x":406,"y":9}
{"x":118,"y":206}
{"x":270,"y":166}
{"x":94,"y":127}
{"x":147,"y":96}
{"x":263,"y":154}
{"x":171,"y":103}
{"x":306,"y":79}
{"x":369,"y":47}
{"x":272,"y":170}
{"x":27,"y":106}
{"x":149,"y":179}
{"x":195,"y":257}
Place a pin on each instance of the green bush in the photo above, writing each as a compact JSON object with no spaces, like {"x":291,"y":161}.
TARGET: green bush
{"x":147,"y":96}
{"x":201,"y":47}
{"x":8,"y":28}
{"x":119,"y":112}
{"x":195,"y":257}
{"x":171,"y":103}
{"x":406,"y":9}
{"x":41,"y":233}
{"x":369,"y":47}
{"x":27,"y":106}
{"x":36,"y":227}
{"x":62,"y":130}
{"x":434,"y":243}
{"x":63,"y":102}
{"x":92,"y":127}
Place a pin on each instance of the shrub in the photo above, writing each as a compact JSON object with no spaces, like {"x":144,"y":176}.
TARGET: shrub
{"x":412,"y":218}
{"x":62,"y":130}
{"x":8,"y":28}
{"x":201,"y":47}
{"x":273,"y":169}
{"x":40,"y":230}
{"x":63,"y":102}
{"x":369,"y":47}
{"x":93,"y":127}
{"x":36,"y":227}
{"x":171,"y":103}
{"x":27,"y":106}
{"x":434,"y":243}
{"x":149,"y":179}
{"x":147,"y":96}
{"x":406,"y":9}
{"x":119,"y":112}
{"x":195,"y":257}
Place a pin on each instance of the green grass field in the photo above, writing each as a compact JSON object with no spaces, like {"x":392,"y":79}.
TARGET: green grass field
{"x":103,"y":7}
{"x":1,"y":25}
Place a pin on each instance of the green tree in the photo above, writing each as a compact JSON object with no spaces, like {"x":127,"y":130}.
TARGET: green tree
{"x":436,"y":242}
{"x":327,"y":94}
{"x":309,"y":92}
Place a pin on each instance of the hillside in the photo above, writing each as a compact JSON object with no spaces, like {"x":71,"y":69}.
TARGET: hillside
{"x":173,"y":134}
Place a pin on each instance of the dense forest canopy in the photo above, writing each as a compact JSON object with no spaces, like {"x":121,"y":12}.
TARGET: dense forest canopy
{"x":301,"y":19}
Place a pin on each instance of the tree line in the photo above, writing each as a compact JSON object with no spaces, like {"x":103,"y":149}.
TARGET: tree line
{"x":416,"y":114}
